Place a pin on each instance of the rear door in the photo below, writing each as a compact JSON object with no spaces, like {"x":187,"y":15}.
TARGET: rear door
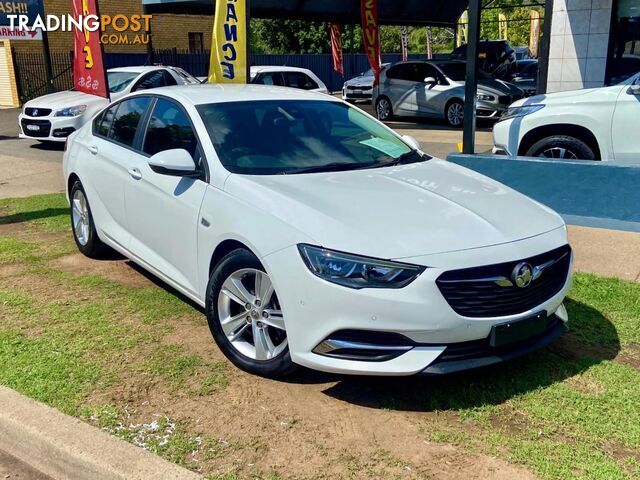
{"x":400,"y":88}
{"x":110,"y":148}
{"x":624,"y":127}
{"x":163,"y":210}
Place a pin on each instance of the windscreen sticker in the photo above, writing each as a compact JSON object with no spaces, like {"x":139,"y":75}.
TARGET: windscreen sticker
{"x":393,"y":149}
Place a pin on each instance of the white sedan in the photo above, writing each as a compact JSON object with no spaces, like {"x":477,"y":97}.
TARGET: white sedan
{"x":314,"y":235}
{"x":591,"y":124}
{"x":53,"y":117}
{"x":293,"y":77}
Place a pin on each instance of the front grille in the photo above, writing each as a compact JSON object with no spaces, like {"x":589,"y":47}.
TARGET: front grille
{"x":43,"y":131}
{"x":364,"y":88}
{"x":485,"y":291}
{"x":37,"y":112}
{"x":509,"y":99}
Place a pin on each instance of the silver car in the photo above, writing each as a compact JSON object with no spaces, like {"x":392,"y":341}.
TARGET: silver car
{"x":435,"y":89}
{"x":360,"y":87}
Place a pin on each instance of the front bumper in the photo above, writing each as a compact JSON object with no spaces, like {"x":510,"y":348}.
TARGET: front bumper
{"x":315,"y":310}
{"x":355,"y":94}
{"x":50,"y":128}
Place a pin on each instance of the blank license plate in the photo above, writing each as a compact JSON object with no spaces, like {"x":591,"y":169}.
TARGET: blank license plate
{"x":33,"y":128}
{"x":519,"y":330}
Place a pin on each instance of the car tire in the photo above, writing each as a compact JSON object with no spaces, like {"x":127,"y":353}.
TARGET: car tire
{"x":82,"y":224}
{"x":561,"y":147}
{"x":454,"y":113}
{"x":235,"y":326}
{"x":384,"y":109}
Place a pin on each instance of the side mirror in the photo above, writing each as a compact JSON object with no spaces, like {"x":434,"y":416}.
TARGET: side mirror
{"x":412,"y":142}
{"x":430,"y":80}
{"x":176,"y":162}
{"x":634,"y":89}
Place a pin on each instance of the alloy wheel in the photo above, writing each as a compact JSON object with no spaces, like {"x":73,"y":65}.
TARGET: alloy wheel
{"x":250,"y":315}
{"x":80,"y":217}
{"x":383,"y":109}
{"x":558,"y":152}
{"x":455,"y":114}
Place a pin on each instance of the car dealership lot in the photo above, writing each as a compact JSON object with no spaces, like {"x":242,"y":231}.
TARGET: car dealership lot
{"x":105,"y":341}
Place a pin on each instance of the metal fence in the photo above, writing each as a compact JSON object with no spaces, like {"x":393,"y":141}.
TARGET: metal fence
{"x":32,"y":83}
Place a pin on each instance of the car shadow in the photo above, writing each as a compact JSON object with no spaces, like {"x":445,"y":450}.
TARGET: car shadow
{"x":48,"y":146}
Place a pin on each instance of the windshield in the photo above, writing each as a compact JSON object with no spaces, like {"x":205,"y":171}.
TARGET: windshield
{"x":271,"y":137}
{"x":458,"y":71}
{"x":118,"y":81}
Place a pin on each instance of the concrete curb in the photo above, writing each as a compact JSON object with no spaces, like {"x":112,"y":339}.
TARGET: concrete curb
{"x":64,"y":447}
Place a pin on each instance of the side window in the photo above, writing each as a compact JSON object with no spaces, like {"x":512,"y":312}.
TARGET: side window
{"x":424,"y":70}
{"x":126,"y":120}
{"x":402,"y":71}
{"x":169,"y":128}
{"x":168,"y":78}
{"x":270,"y":78}
{"x":299,"y":80}
{"x":155,"y":79}
{"x":102,"y":123}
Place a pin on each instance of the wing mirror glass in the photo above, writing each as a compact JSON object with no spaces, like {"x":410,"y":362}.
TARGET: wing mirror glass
{"x":412,"y":142}
{"x":176,"y":162}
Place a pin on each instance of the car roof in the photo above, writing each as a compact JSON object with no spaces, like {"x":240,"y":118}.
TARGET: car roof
{"x":139,"y":69}
{"x":224,"y":93}
{"x":274,"y":68}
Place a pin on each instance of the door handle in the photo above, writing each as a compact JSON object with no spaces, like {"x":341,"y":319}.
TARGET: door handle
{"x":135,"y":174}
{"x":93,"y":150}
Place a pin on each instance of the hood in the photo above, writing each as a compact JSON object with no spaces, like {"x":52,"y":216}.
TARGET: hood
{"x":597,"y":95}
{"x":364,"y":80}
{"x":499,"y":87}
{"x":66,"y":99}
{"x":398,"y":212}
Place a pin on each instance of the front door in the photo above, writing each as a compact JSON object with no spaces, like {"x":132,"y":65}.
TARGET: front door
{"x":624,"y":127}
{"x":162,"y":210}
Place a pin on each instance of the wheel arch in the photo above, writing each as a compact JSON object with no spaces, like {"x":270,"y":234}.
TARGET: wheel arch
{"x":71,"y":180}
{"x":576,"y":131}
{"x":223,"y":249}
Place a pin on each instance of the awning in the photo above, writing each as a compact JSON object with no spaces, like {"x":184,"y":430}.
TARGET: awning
{"x":390,"y":12}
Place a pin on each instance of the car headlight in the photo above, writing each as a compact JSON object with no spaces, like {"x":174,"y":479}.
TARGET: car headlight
{"x":358,"y":272}
{"x":71,"y":111}
{"x":485,"y":97}
{"x":513,"y":112}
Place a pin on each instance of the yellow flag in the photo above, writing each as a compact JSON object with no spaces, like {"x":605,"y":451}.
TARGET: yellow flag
{"x":229,"y":47}
{"x":502,"y":26}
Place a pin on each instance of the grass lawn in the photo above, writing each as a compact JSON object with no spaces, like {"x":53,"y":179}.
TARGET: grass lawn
{"x":105,"y":342}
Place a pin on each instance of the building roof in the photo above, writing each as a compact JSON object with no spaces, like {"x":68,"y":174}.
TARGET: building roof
{"x":390,"y":12}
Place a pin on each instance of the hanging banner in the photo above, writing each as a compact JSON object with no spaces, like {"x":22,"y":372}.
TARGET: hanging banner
{"x":336,"y":47}
{"x":429,"y":43}
{"x":463,"y":28}
{"x":534,"y":35}
{"x":502,"y":26}
{"x":89,"y":74}
{"x":229,"y":46}
{"x":404,"y":39}
{"x":371,"y":35}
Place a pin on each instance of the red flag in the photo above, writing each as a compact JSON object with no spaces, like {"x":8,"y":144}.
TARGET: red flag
{"x":404,"y":38}
{"x":336,"y":47}
{"x":371,"y":34}
{"x":89,"y":75}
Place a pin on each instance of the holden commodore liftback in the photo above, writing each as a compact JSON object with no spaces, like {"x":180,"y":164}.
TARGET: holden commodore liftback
{"x":314,"y":235}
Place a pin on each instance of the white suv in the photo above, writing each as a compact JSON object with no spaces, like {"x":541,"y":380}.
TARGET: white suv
{"x":592,"y":124}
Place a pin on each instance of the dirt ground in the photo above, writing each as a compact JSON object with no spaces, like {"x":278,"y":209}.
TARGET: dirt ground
{"x":312,"y":426}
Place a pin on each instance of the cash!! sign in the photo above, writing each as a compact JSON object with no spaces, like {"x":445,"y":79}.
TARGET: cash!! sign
{"x":89,"y":75}
{"x":229,"y":47}
{"x":30,"y":8}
